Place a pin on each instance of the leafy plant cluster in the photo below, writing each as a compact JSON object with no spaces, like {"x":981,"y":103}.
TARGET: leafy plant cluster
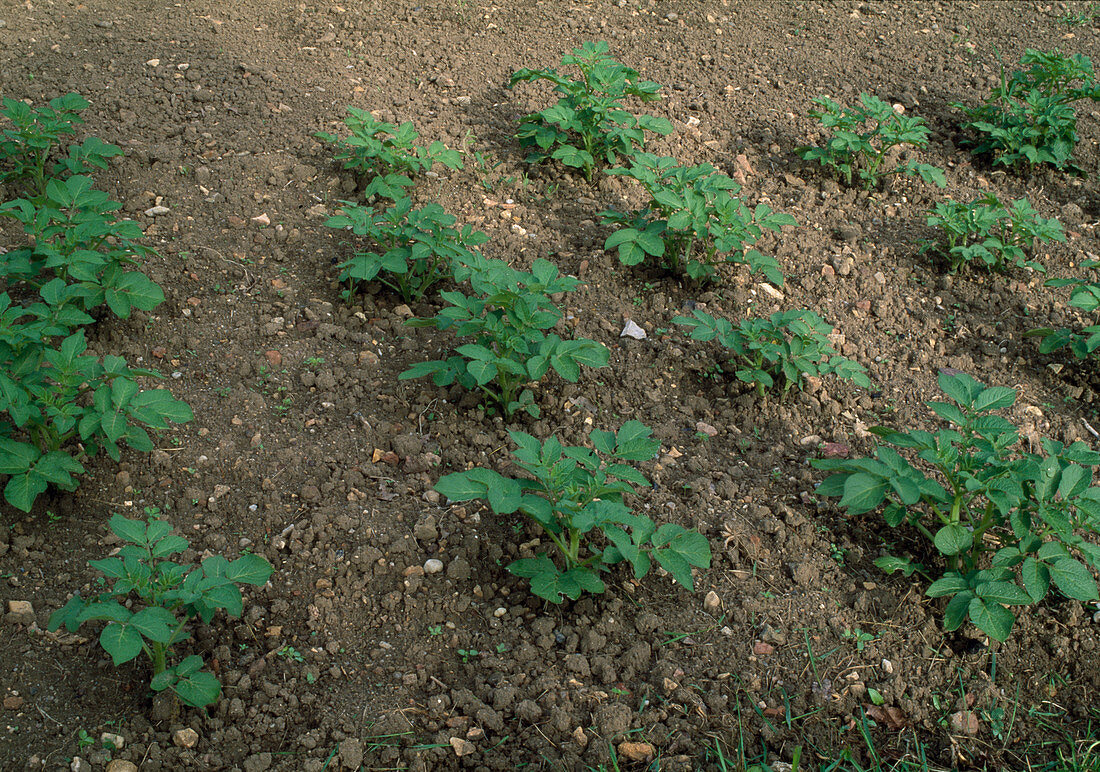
{"x":58,"y":402}
{"x":692,"y":218}
{"x":778,"y":351}
{"x":1085,"y":296}
{"x":386,"y":154}
{"x":1008,"y":526}
{"x":28,"y":143}
{"x":588,"y":127}
{"x":507,"y":318}
{"x":414,"y":248}
{"x":989,"y":233}
{"x":574,"y":495}
{"x":1031,"y":117}
{"x":862,"y":140}
{"x":152,"y":599}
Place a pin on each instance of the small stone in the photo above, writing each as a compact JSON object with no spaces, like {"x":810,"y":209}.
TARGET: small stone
{"x":274,"y":358}
{"x":965,"y":722}
{"x":768,"y":289}
{"x":643,"y":752}
{"x":632,"y":330}
{"x":351,"y":753}
{"x":705,"y":428}
{"x":79,"y":765}
{"x":113,"y":739}
{"x":121,"y":765}
{"x":580,"y":738}
{"x":849,"y":232}
{"x":185,"y":738}
{"x":13,"y":702}
{"x":20,"y":612}
{"x":402,"y":310}
{"x":317,"y":212}
{"x":433,"y":566}
{"x":156,"y":211}
{"x":762,"y":649}
{"x":462,"y":747}
{"x":500,"y":612}
{"x":711,"y":602}
{"x":262,"y":220}
{"x":153,"y":62}
{"x":888,"y":667}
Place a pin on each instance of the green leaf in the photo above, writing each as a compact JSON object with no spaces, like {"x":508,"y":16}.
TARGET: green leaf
{"x":953,"y":539}
{"x":1036,"y":578}
{"x":862,"y":493}
{"x":949,"y":584}
{"x":155,"y":623}
{"x":68,"y":615}
{"x":991,"y":618}
{"x":995,"y":398}
{"x":121,"y":641}
{"x":198,"y":690}
{"x":249,"y":569}
{"x":876,"y":696}
{"x":1005,"y":593}
{"x":956,"y":611}
{"x":1073,"y":579}
{"x":132,"y":531}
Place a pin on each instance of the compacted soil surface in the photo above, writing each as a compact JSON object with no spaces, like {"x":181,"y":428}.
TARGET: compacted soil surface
{"x":308,"y":450}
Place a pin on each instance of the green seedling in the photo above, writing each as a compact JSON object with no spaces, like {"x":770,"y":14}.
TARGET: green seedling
{"x":969,"y":494}
{"x":862,"y":139}
{"x":291,"y":653}
{"x":26,"y":146}
{"x":693,"y":217}
{"x":988,"y":233}
{"x":413,"y":249}
{"x":168,"y":596}
{"x":1030,"y":118}
{"x":53,"y":396}
{"x":575,"y":493}
{"x":1086,"y":296}
{"x":589,"y":127}
{"x":507,"y":320}
{"x":467,"y":654}
{"x":860,"y":638}
{"x":386,"y":153}
{"x":75,"y":237}
{"x":776,"y":352}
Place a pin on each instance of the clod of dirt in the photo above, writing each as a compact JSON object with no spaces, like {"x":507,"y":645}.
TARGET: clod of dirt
{"x":965,"y":722}
{"x":637,"y":751}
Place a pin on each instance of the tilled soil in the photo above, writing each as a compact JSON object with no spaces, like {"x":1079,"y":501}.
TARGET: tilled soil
{"x":308,"y":450}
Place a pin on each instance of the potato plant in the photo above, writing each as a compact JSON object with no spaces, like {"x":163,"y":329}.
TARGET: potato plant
{"x":693,"y":221}
{"x":1009,"y":527}
{"x":1085,"y":295}
{"x":386,"y":154}
{"x":776,"y":352}
{"x":27,"y":143}
{"x":413,"y":249}
{"x":589,"y":127}
{"x":575,"y":495}
{"x":862,"y":138}
{"x":507,"y":318}
{"x":1030,"y":118}
{"x":152,"y":600}
{"x":989,"y":233}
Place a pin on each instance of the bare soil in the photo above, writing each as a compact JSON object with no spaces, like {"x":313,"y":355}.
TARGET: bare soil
{"x":308,"y":450}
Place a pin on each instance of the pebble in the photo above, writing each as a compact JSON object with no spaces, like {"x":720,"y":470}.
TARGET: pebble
{"x":462,"y":747}
{"x":712,"y":602}
{"x":185,"y":738}
{"x":433,"y":566}
{"x":20,"y":612}
{"x":637,"y":751}
{"x":705,"y":428}
{"x":965,"y":722}
{"x":632,"y":330}
{"x":155,"y":211}
{"x":121,"y":765}
{"x":262,"y":220}
{"x":112,"y":738}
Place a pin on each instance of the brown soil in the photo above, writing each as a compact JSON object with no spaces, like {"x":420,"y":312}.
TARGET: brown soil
{"x":307,"y":449}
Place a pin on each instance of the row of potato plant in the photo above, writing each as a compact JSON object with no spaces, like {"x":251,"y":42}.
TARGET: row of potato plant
{"x":59,"y":403}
